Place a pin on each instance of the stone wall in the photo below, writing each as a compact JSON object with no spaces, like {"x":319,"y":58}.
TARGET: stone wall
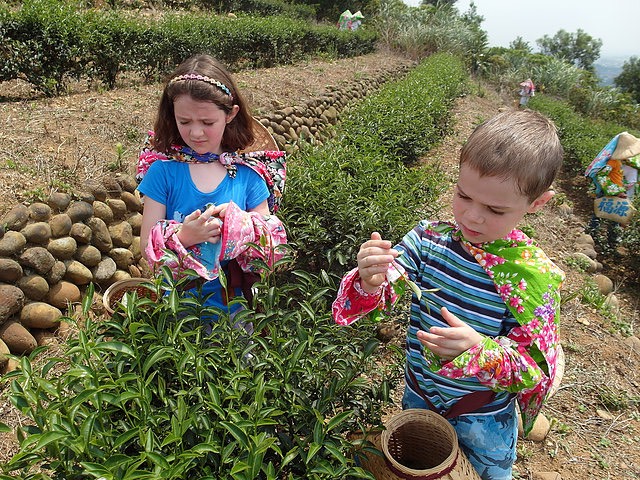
{"x":50,"y":252}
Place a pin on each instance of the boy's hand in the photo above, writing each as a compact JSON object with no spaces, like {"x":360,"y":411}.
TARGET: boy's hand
{"x":450,"y":342}
{"x":198,"y":227}
{"x":374,"y":258}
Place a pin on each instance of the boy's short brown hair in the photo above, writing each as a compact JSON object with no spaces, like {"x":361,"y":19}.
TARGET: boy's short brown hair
{"x":518,"y":144}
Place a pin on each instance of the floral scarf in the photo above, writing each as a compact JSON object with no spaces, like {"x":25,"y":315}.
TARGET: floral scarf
{"x":270,"y":165}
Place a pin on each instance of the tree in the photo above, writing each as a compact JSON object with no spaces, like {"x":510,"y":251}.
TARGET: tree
{"x":438,"y":2}
{"x":629,"y":79}
{"x":520,"y":44}
{"x":579,"y":48}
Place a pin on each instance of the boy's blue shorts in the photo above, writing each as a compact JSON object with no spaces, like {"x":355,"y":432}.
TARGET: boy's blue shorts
{"x":488,"y":441}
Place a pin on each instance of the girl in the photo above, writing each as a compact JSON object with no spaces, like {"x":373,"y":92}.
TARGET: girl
{"x":204,"y":201}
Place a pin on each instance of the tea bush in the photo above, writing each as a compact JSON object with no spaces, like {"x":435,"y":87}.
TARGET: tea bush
{"x":48,"y":42}
{"x":364,"y":179}
{"x":150,"y":394}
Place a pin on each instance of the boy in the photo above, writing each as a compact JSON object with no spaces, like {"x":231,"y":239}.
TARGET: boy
{"x":488,"y":335}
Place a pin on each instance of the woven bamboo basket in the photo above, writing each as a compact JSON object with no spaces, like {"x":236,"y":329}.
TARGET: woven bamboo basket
{"x":418,"y":445}
{"x":117,"y":291}
{"x":263,"y":139}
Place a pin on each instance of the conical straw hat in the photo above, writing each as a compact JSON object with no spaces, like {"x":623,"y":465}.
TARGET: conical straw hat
{"x":628,"y":146}
{"x":263,"y":139}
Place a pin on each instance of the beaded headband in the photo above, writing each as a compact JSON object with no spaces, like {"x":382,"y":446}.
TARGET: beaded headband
{"x":202,"y":78}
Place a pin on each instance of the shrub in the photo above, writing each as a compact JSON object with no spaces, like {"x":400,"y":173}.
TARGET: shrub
{"x":364,"y":179}
{"x":150,"y":394}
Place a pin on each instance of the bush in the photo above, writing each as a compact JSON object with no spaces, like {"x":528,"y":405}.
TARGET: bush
{"x":47,"y":42}
{"x":150,"y":394}
{"x":364,"y":179}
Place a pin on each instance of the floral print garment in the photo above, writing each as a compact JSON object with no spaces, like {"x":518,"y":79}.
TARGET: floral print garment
{"x":240,"y":230}
{"x":270,"y":165}
{"x":524,"y":361}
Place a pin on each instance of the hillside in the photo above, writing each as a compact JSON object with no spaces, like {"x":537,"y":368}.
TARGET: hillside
{"x":595,"y":416}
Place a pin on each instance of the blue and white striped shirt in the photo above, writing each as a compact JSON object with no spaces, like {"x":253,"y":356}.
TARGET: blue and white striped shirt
{"x":439,"y":261}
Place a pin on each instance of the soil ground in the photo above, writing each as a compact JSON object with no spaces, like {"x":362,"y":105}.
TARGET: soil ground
{"x":595,"y":417}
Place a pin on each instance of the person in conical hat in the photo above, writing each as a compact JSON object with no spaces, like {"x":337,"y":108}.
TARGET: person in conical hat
{"x":614,"y":173}
{"x":527,"y":90}
{"x":615,"y":170}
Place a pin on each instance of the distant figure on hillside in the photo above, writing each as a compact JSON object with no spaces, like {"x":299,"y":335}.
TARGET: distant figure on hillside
{"x":527,"y":90}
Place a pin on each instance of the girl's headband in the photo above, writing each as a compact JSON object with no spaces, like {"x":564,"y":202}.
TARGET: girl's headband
{"x":202,"y":78}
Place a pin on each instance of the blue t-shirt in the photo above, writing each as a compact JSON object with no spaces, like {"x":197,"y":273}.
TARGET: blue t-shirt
{"x":170,"y":183}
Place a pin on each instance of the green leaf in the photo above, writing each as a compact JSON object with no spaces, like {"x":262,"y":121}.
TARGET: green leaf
{"x":338,"y":419}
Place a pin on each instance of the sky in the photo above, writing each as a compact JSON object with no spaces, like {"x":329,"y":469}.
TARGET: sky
{"x":615,"y":22}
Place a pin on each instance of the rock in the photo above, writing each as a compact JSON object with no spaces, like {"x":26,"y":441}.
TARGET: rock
{"x":88,"y":255}
{"x":38,"y":233}
{"x":4,"y":351}
{"x":10,"y":270}
{"x":132,"y":202}
{"x":135,"y":220}
{"x":40,"y":315}
{"x":127,"y":182}
{"x":118,"y":207}
{"x":123,"y":257}
{"x":81,"y":233}
{"x":104,"y":271}
{"x":12,"y":243}
{"x":16,"y":218}
{"x":17,"y":338}
{"x":120,"y":275}
{"x":37,"y":258}
{"x":604,"y":283}
{"x":603,"y":414}
{"x":100,"y":237}
{"x":63,"y":293}
{"x":39,"y":212}
{"x":113,"y":187}
{"x":77,"y":273}
{"x":60,"y":225}
{"x":135,"y":249}
{"x":96,"y":189}
{"x":59,"y":201}
{"x":584,"y":261}
{"x":34,"y":287}
{"x":585,"y":239}
{"x":587,"y":250}
{"x":44,"y":337}
{"x":121,"y":234}
{"x":102,"y":211}
{"x":539,"y":431}
{"x":80,"y":211}
{"x":634,"y":343}
{"x":11,"y":301}
{"x":63,"y":248}
{"x":612,"y":301}
{"x":56,"y":273}
{"x":546,"y":476}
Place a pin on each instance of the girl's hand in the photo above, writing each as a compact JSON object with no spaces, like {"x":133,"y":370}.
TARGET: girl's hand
{"x":220,"y":210}
{"x":198,"y":227}
{"x":374,"y":258}
{"x":450,"y":342}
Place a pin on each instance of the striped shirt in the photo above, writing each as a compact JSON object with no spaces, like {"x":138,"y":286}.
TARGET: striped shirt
{"x":465,"y":289}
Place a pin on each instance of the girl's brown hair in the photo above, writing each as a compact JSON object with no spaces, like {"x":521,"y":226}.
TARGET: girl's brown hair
{"x":522,"y":145}
{"x":238,"y":133}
